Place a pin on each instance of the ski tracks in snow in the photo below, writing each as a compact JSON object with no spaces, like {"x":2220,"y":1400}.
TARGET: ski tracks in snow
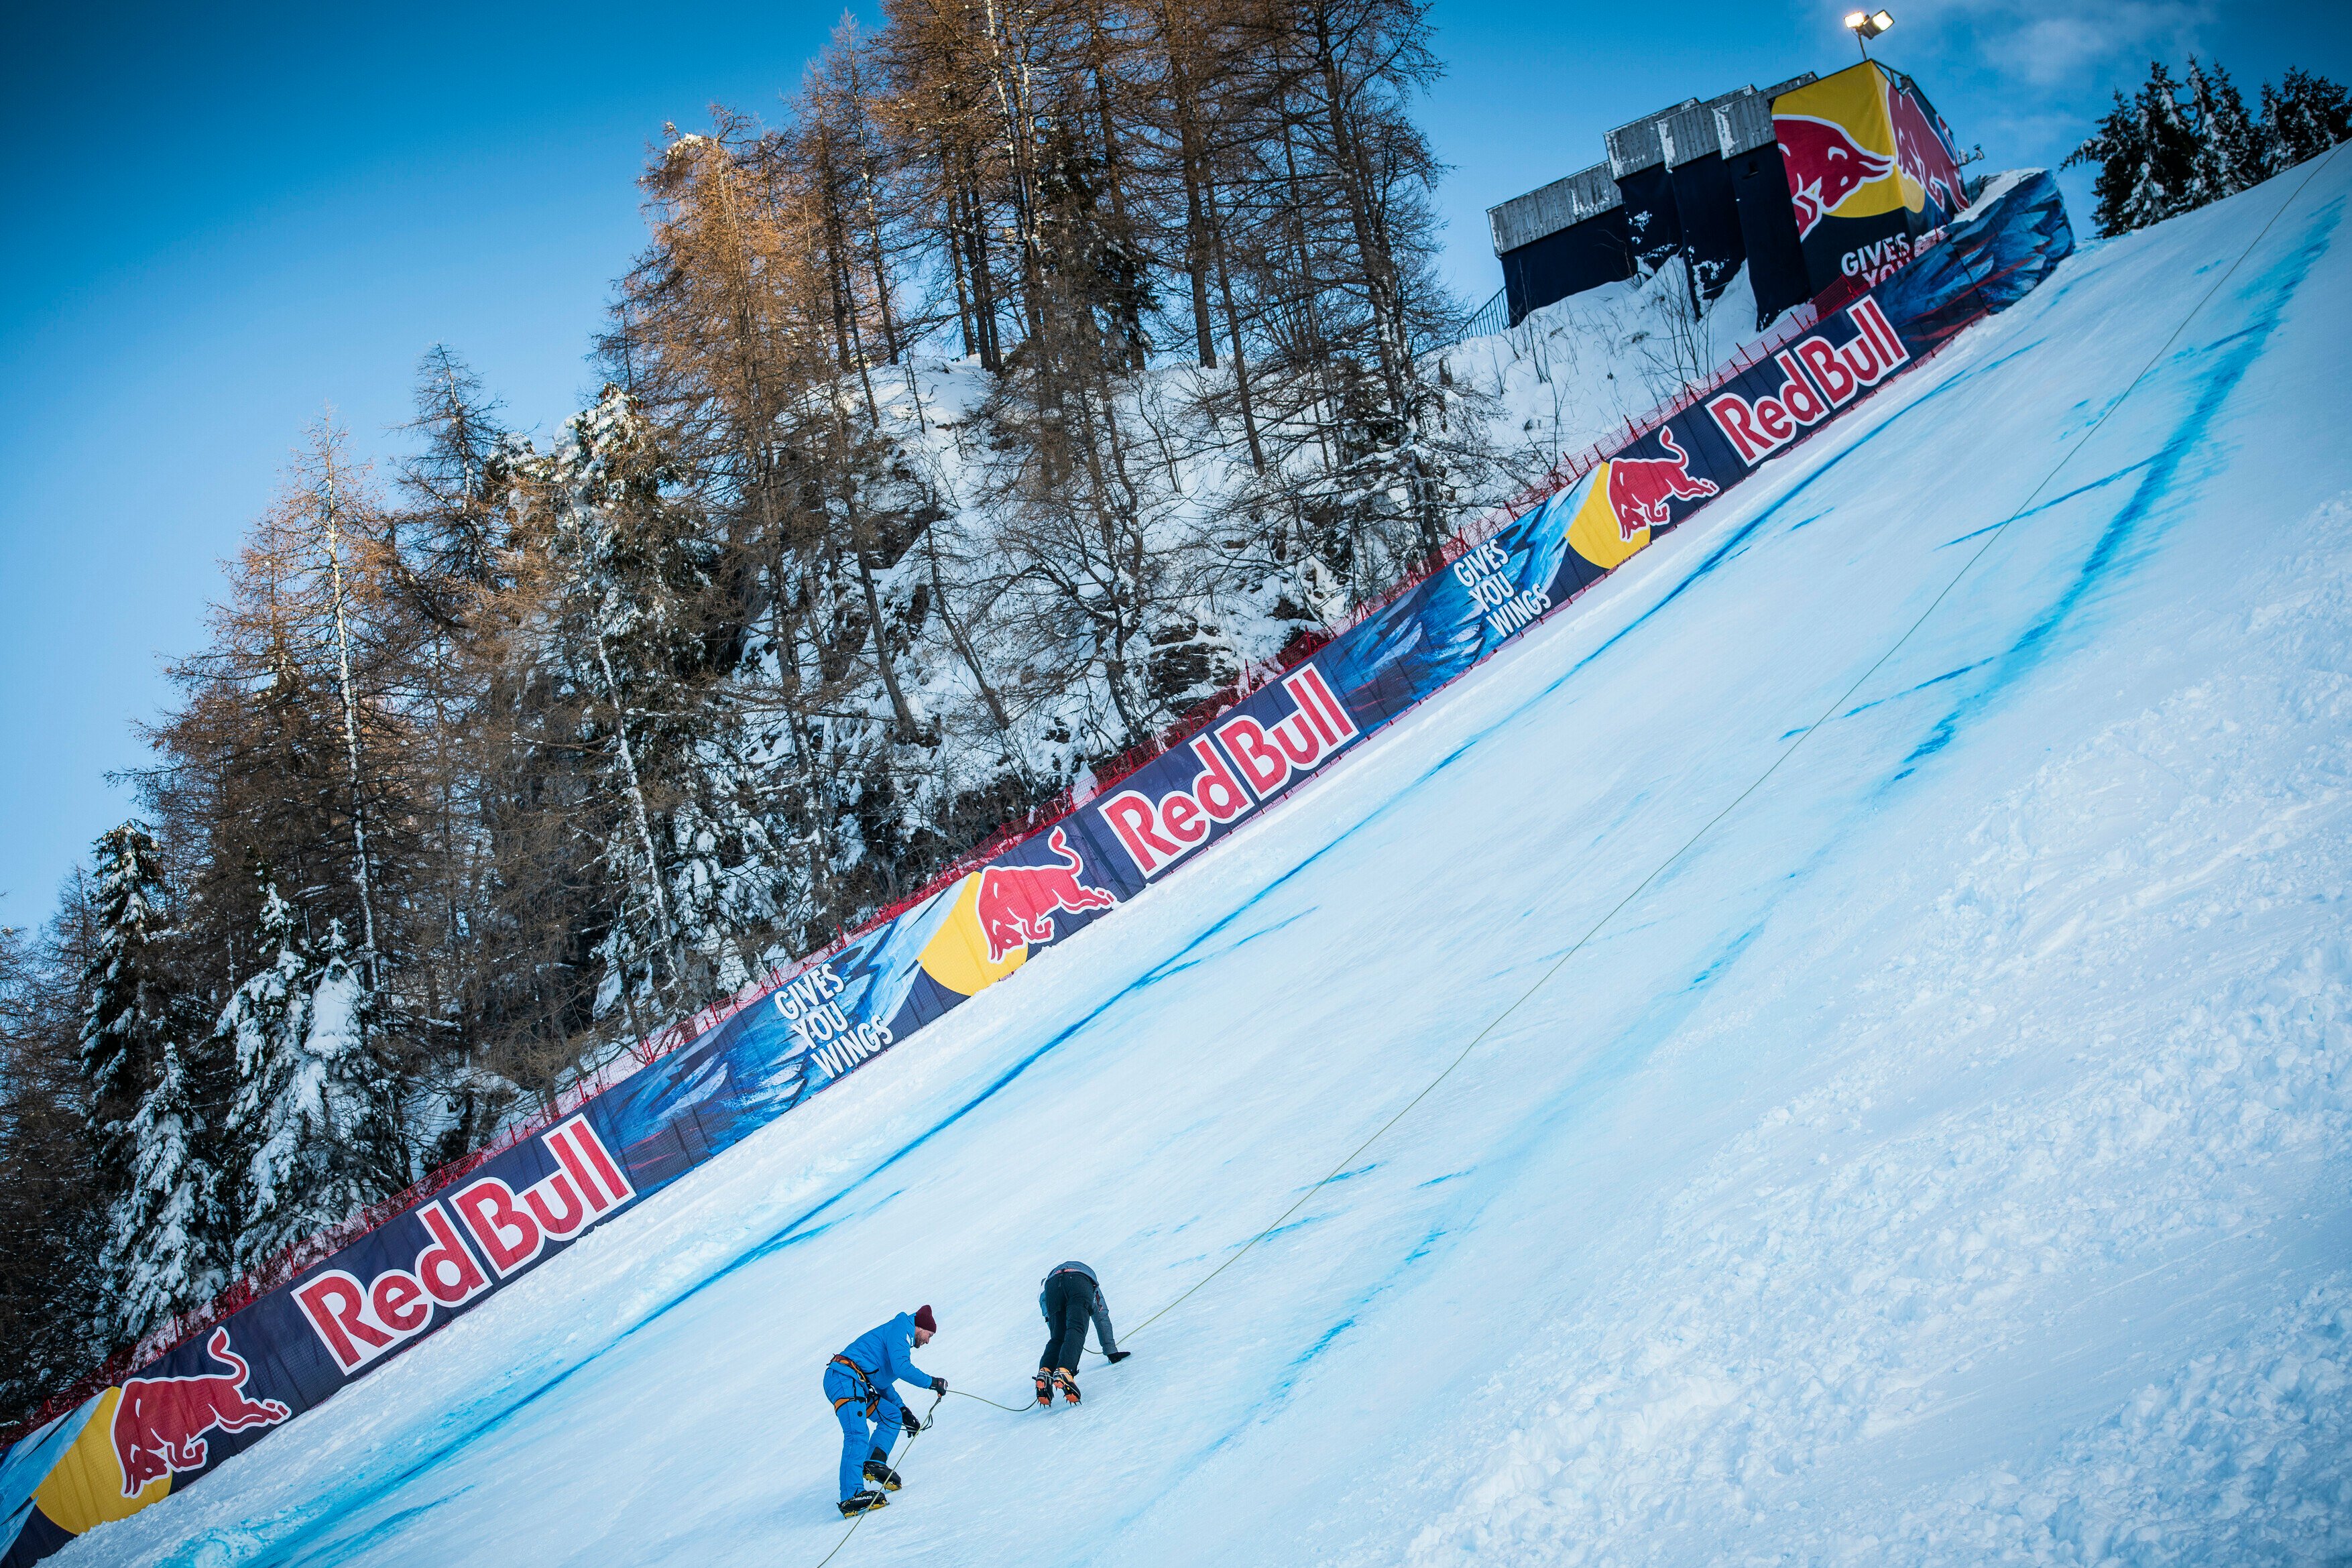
{"x":1882,"y":1250}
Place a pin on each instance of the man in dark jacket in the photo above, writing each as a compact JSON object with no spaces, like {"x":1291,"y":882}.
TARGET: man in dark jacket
{"x":862,"y":1383}
{"x":1071,"y":1296}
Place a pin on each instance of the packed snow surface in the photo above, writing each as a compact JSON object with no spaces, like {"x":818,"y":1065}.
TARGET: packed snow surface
{"x":1944,"y":1160}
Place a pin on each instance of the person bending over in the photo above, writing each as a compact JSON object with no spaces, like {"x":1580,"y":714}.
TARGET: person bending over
{"x":1071,"y":1295}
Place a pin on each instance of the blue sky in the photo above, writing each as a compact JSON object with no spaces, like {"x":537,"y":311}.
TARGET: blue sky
{"x":225,"y":225}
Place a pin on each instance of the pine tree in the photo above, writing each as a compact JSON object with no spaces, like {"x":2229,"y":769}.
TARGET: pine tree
{"x":312,"y":1117}
{"x":2231,"y":152}
{"x":161,"y":1253}
{"x":162,"y":1256}
{"x":2157,"y":157}
{"x":2303,"y":117}
{"x":52,"y":1219}
{"x":127,"y":1015}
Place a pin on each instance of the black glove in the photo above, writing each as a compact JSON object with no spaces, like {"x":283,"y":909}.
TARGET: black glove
{"x":1115,"y":1357}
{"x":907,"y":1419}
{"x":938,"y":1385}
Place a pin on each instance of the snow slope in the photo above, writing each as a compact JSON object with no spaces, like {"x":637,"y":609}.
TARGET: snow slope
{"x":1946,"y":1160}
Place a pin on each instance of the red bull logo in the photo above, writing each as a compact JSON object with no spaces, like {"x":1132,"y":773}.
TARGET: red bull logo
{"x":1923,"y":152}
{"x":160,"y":1423}
{"x":1157,"y":833}
{"x":1825,"y":166}
{"x":1641,"y":487}
{"x":1818,"y":379}
{"x":1016,"y":903}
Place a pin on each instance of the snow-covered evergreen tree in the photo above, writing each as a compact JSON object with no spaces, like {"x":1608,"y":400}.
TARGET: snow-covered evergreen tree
{"x":2147,"y":152}
{"x":2303,"y":116}
{"x":688,"y":847}
{"x":162,"y":1254}
{"x":124,"y":1022}
{"x":2158,"y":155}
{"x":313,"y":1116}
{"x":2232,"y":153}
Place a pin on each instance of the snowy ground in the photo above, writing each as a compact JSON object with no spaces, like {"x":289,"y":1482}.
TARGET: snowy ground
{"x":1947,"y":1161}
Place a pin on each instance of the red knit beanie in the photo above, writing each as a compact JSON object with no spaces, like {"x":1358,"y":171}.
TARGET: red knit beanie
{"x":924,"y":1320}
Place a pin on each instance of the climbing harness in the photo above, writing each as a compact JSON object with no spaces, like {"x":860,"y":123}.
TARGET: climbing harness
{"x":865,"y":1381}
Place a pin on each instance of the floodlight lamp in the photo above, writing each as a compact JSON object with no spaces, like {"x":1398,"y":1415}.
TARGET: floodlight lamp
{"x":1867,"y":25}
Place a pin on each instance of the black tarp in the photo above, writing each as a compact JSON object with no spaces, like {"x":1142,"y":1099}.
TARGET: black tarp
{"x":1652,"y":222}
{"x":1768,"y":231}
{"x":1709,"y":216}
{"x":1568,"y":261}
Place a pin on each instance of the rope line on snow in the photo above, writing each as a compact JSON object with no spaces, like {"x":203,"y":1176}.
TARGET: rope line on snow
{"x":886,"y":1455}
{"x":1015,"y":1409}
{"x":1991,"y":538}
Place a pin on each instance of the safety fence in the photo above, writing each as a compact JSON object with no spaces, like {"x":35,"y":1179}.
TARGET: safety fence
{"x":339,"y":1303}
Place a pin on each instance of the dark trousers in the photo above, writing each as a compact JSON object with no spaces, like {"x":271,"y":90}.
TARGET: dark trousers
{"x":1069,"y":1307}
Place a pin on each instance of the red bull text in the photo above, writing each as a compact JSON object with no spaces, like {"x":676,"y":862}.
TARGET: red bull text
{"x":1158,"y":833}
{"x":1820,"y":378}
{"x":160,"y":1423}
{"x":358,"y":1323}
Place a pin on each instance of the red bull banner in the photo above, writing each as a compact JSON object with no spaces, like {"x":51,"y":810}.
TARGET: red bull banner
{"x":1873,"y":172}
{"x":212,"y":1398}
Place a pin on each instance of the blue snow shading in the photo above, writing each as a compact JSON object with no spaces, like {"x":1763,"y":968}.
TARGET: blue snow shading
{"x":2276,"y":288}
{"x":1725,"y":959}
{"x":1923,"y":686}
{"x":794,"y":1232}
{"x":1312,"y":1351}
{"x":2098,"y":484}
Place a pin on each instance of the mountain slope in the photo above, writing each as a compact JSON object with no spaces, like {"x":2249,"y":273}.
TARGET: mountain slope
{"x":1945,"y":1159}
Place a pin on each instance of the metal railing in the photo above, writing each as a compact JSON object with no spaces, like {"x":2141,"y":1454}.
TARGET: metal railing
{"x":1489,"y":319}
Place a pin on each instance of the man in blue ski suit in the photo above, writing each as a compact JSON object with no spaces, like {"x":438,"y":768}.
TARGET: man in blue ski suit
{"x":862,"y":1383}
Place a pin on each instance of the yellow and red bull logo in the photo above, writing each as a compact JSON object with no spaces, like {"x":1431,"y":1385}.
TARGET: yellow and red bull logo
{"x":1015,"y":904}
{"x":1613,"y":511}
{"x":160,"y":1423}
{"x":998,"y":912}
{"x":1867,"y":151}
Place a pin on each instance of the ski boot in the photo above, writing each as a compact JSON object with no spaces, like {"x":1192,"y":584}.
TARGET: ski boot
{"x":1068,"y":1385}
{"x":1045,"y":1391}
{"x":865,"y":1502}
{"x":881,"y":1475}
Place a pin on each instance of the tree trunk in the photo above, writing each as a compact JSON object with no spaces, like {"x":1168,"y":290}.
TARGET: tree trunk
{"x":351,"y":720}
